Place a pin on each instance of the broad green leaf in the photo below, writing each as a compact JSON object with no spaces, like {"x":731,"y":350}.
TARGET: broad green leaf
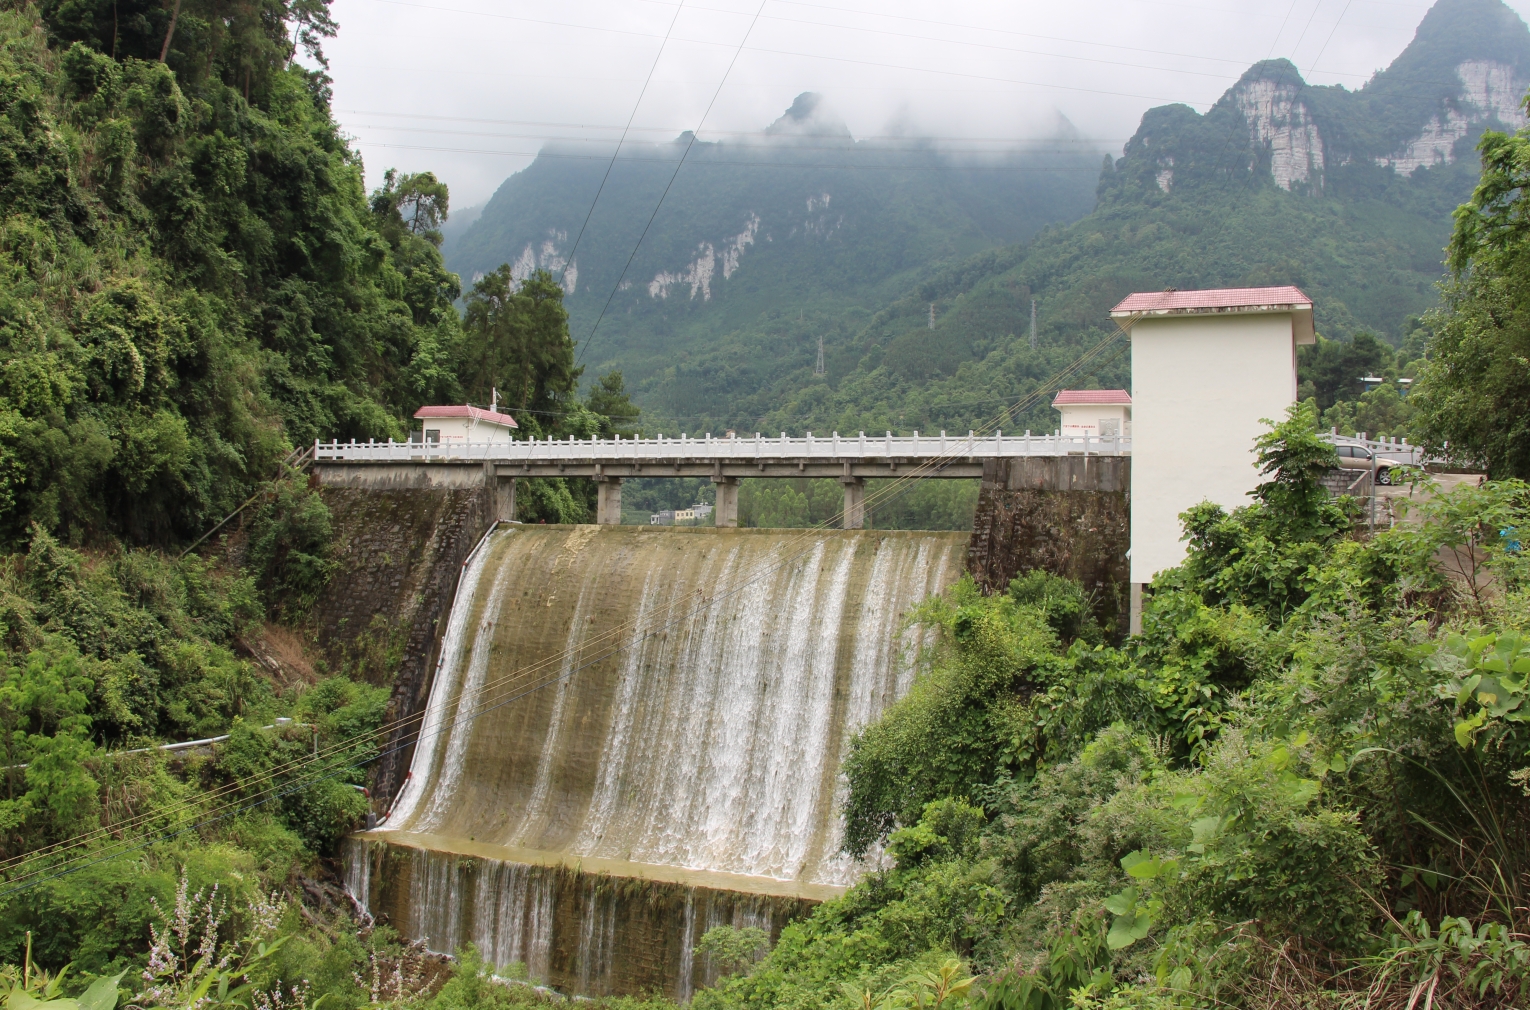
{"x":1124,"y":903}
{"x":20,"y":999}
{"x":1127,"y":930}
{"x":1467,"y":689}
{"x":1204,"y":829}
{"x":102,"y":994}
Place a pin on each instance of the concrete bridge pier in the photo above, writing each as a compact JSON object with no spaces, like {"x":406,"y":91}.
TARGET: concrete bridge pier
{"x":608,"y":500}
{"x":855,"y":502}
{"x":726,"y":512}
{"x":504,"y":499}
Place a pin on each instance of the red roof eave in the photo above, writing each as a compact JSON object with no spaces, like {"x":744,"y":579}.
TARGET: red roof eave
{"x":1071,"y":397}
{"x":476,"y":413}
{"x":1219,"y":301}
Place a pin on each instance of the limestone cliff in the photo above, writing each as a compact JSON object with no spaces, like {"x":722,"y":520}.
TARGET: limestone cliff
{"x":1466,"y":70}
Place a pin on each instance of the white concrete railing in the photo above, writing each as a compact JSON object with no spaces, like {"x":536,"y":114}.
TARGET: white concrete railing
{"x":835,"y":446}
{"x":860,"y":446}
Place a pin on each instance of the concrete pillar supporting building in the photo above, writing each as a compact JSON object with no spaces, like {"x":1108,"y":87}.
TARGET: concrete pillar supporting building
{"x":1068,"y":515}
{"x":855,"y":502}
{"x":608,"y":501}
{"x":726,"y":513}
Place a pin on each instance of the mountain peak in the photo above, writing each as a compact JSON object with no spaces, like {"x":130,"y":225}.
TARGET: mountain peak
{"x":809,"y":116}
{"x":1457,"y":30}
{"x":1280,"y":70}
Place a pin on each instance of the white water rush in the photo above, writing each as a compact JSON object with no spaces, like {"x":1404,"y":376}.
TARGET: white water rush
{"x":625,"y":713}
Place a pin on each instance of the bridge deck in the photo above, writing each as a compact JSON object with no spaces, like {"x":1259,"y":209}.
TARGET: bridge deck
{"x":866,"y":455}
{"x":848,"y":459}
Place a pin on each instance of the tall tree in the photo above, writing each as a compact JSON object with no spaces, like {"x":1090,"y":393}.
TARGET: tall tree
{"x":618,"y":414}
{"x":516,"y":340}
{"x":240,"y":43}
{"x":415,"y":203}
{"x":1474,"y":395}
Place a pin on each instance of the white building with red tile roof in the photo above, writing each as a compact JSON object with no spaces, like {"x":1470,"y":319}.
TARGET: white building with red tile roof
{"x":464,"y":424}
{"x":1207,"y":368}
{"x":1099,"y":413}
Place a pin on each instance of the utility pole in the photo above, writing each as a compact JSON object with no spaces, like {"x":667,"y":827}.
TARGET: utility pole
{"x":819,"y":369}
{"x":932,"y":315}
{"x":1033,"y":324}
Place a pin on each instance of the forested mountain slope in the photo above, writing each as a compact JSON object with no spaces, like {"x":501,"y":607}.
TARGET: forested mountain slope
{"x":1345,"y":193}
{"x":194,"y":279}
{"x":762,"y":244}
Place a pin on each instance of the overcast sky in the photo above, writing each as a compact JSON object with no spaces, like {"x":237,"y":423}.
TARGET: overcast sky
{"x":471,"y":89}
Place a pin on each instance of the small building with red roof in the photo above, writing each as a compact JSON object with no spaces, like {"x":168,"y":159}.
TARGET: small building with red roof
{"x":464,"y":423}
{"x":1207,"y":368}
{"x":1099,"y":413}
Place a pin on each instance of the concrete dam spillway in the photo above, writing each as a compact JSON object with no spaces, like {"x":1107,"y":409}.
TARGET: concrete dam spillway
{"x":634,"y":734}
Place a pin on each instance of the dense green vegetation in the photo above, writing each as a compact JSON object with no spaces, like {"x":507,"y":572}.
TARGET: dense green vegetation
{"x":1300,"y":786}
{"x":1304,"y":784}
{"x":1477,"y":382}
{"x":194,"y":283}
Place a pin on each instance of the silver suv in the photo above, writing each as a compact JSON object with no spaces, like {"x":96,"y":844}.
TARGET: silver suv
{"x":1358,"y":457}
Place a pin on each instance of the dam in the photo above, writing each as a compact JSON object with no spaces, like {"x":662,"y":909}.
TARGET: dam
{"x":633,"y":734}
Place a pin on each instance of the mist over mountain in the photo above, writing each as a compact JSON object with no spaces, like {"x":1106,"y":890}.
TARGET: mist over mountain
{"x":763,"y":242}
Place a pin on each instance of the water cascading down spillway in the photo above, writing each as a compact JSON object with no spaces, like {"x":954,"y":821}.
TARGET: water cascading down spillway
{"x":634,"y":735}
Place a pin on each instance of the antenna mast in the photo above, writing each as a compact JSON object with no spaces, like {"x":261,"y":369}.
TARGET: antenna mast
{"x":1033,"y":324}
{"x":819,"y":369}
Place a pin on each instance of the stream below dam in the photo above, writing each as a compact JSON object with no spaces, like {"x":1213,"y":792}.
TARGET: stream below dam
{"x":634,"y":734}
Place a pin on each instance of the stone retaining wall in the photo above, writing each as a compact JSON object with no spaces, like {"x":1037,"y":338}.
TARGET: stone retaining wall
{"x":1069,"y":515}
{"x":400,"y":550}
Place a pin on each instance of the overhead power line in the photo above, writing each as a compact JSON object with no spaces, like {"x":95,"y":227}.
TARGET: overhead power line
{"x":714,"y":162}
{"x":615,"y":154}
{"x":689,"y":144}
{"x":671,"y":133}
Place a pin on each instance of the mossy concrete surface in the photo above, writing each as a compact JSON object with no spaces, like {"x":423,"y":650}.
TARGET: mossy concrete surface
{"x":1068,"y":515}
{"x":400,"y":552}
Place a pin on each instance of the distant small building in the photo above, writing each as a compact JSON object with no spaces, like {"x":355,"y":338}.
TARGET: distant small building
{"x":464,"y":424}
{"x":1095,"y":412}
{"x":684,"y":516}
{"x":665,"y":518}
{"x":1374,"y":382}
{"x":701,"y":510}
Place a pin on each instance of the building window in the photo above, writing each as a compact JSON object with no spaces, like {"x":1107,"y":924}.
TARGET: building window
{"x":432,"y":434}
{"x":1110,"y":426}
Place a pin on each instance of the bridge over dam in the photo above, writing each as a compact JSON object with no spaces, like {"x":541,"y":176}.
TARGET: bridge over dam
{"x":851,"y":460}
